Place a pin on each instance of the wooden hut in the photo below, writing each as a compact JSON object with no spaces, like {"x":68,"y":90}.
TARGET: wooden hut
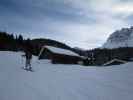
{"x":59,"y":55}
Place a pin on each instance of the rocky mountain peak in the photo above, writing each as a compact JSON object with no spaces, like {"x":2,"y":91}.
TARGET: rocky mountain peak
{"x":120,"y":38}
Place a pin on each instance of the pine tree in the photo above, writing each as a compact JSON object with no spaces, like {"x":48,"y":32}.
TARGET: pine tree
{"x":20,"y":39}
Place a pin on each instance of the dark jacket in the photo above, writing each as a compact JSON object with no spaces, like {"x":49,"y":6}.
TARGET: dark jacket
{"x":28,"y":55}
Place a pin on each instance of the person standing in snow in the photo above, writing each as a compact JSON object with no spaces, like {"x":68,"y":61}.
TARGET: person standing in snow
{"x":28,"y":55}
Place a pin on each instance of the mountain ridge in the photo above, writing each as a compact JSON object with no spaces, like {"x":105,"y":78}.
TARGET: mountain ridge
{"x":120,"y":38}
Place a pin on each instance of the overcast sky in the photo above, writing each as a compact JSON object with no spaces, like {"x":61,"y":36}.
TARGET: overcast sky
{"x":82,"y":23}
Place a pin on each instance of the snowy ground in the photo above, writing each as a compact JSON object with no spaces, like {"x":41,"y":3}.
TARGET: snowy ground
{"x":63,"y":82}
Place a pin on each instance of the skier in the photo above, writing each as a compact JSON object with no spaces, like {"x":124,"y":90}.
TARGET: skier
{"x":28,"y":57}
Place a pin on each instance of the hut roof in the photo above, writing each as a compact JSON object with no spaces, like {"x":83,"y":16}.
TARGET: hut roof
{"x":58,"y":50}
{"x":114,"y":60}
{"x":61,"y":51}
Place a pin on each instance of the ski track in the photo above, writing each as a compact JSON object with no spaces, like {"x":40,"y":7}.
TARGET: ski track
{"x":62,"y":82}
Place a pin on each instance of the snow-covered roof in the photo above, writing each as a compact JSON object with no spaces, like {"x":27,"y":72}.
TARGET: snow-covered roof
{"x":118,"y":60}
{"x":60,"y":50}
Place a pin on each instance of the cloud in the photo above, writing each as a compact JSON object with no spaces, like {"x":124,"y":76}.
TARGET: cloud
{"x":82,"y":23}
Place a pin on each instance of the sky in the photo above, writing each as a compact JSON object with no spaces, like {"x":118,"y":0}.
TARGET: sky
{"x":78,"y":23}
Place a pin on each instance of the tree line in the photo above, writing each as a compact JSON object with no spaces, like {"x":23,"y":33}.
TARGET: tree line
{"x":97,"y":56}
{"x":11,"y":42}
{"x":100,"y":56}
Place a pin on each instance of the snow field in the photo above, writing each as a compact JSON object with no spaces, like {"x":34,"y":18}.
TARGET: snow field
{"x":62,"y":82}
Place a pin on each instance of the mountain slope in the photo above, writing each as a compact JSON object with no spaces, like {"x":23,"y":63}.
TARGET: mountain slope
{"x":42,"y":42}
{"x":120,"y":38}
{"x":62,"y":82}
{"x":39,"y":43}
